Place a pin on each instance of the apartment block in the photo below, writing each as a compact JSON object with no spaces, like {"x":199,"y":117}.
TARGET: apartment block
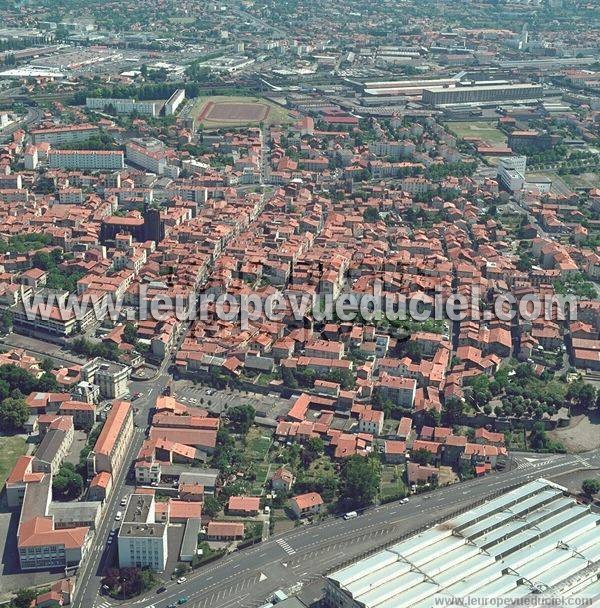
{"x":148,"y":153}
{"x":111,"y":377}
{"x":90,"y":160}
{"x":112,"y":443}
{"x":57,"y":136}
{"x":124,"y":106}
{"x":141,"y":541}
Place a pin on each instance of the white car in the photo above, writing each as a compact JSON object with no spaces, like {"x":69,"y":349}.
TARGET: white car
{"x":181,"y":580}
{"x":118,"y":516}
{"x":404,"y":501}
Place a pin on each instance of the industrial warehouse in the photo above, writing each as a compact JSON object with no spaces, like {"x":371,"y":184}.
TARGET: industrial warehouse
{"x":532,"y":540}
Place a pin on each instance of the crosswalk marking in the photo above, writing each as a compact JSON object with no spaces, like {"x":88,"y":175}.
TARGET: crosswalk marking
{"x":534,"y":464}
{"x":286,"y":547}
{"x":104,"y":605}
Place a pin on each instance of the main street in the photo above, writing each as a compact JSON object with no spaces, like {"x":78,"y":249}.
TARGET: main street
{"x":248,"y":577}
{"x":100,"y":550}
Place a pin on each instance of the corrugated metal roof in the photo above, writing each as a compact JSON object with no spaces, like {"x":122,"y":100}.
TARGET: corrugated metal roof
{"x":530,"y":539}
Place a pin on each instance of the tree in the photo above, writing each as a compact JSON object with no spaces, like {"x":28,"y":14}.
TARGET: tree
{"x":360,"y":478}
{"x":6,"y":321}
{"x":13,"y":415}
{"x":453,"y":410}
{"x":316,"y":445}
{"x":130,"y":333}
{"x":289,"y":380}
{"x":371,"y":215}
{"x":587,"y":396}
{"x":211,"y":506}
{"x":24,"y":598}
{"x":590,"y":486}
{"x":47,"y":364}
{"x":421,"y":456}
{"x":431,"y":417}
{"x":67,"y":483}
{"x":242,"y":417}
{"x":480,"y":393}
{"x":125,"y":583}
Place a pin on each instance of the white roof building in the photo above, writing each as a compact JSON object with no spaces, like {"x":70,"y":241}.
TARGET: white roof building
{"x":531,"y":540}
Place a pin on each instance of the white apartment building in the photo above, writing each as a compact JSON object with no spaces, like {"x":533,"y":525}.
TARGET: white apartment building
{"x":92,"y":160}
{"x":511,"y":172}
{"x":148,"y":153}
{"x":125,"y":106}
{"x":30,"y":158}
{"x":111,"y":377}
{"x":57,"y":136}
{"x":141,"y":541}
{"x":174,"y":102}
{"x":70,"y":196}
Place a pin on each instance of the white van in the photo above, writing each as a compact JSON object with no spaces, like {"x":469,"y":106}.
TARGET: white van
{"x":350,"y":515}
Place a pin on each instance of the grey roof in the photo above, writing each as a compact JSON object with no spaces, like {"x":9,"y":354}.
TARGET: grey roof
{"x":138,"y":508}
{"x":189,"y":543}
{"x":134,"y":530}
{"x":531,"y":540}
{"x":206,"y":477}
{"x":74,"y":512}
{"x":50,"y":445}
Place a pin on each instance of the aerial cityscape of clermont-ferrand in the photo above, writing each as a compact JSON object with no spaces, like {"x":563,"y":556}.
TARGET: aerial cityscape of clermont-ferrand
{"x":299,"y":303}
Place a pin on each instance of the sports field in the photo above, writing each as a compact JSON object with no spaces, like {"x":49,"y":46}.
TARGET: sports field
{"x":222,"y":112}
{"x":486,"y":130}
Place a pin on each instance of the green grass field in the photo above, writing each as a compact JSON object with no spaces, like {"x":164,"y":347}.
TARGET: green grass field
{"x":10,"y":450}
{"x":391,"y":482}
{"x":486,"y":130}
{"x":277,"y":114}
{"x":257,"y":445}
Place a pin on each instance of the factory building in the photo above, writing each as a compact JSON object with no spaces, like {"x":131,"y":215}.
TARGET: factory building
{"x":532,"y":541}
{"x":439,"y":96}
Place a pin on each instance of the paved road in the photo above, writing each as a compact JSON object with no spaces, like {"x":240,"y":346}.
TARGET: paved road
{"x":99,"y":553}
{"x":246,"y":578}
{"x":34,"y":115}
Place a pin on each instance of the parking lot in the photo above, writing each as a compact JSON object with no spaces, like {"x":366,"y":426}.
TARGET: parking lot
{"x":79,"y":441}
{"x":217,"y":401}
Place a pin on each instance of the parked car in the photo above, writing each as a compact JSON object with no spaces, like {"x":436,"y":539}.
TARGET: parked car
{"x":181,"y":580}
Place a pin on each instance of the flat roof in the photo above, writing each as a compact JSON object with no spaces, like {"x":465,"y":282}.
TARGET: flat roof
{"x":492,"y":87}
{"x":138,"y":508}
{"x":129,"y":529}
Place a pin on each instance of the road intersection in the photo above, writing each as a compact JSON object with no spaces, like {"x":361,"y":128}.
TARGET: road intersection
{"x":247,"y":577}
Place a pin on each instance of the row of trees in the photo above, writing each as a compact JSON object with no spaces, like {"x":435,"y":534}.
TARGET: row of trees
{"x":87,"y":348}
